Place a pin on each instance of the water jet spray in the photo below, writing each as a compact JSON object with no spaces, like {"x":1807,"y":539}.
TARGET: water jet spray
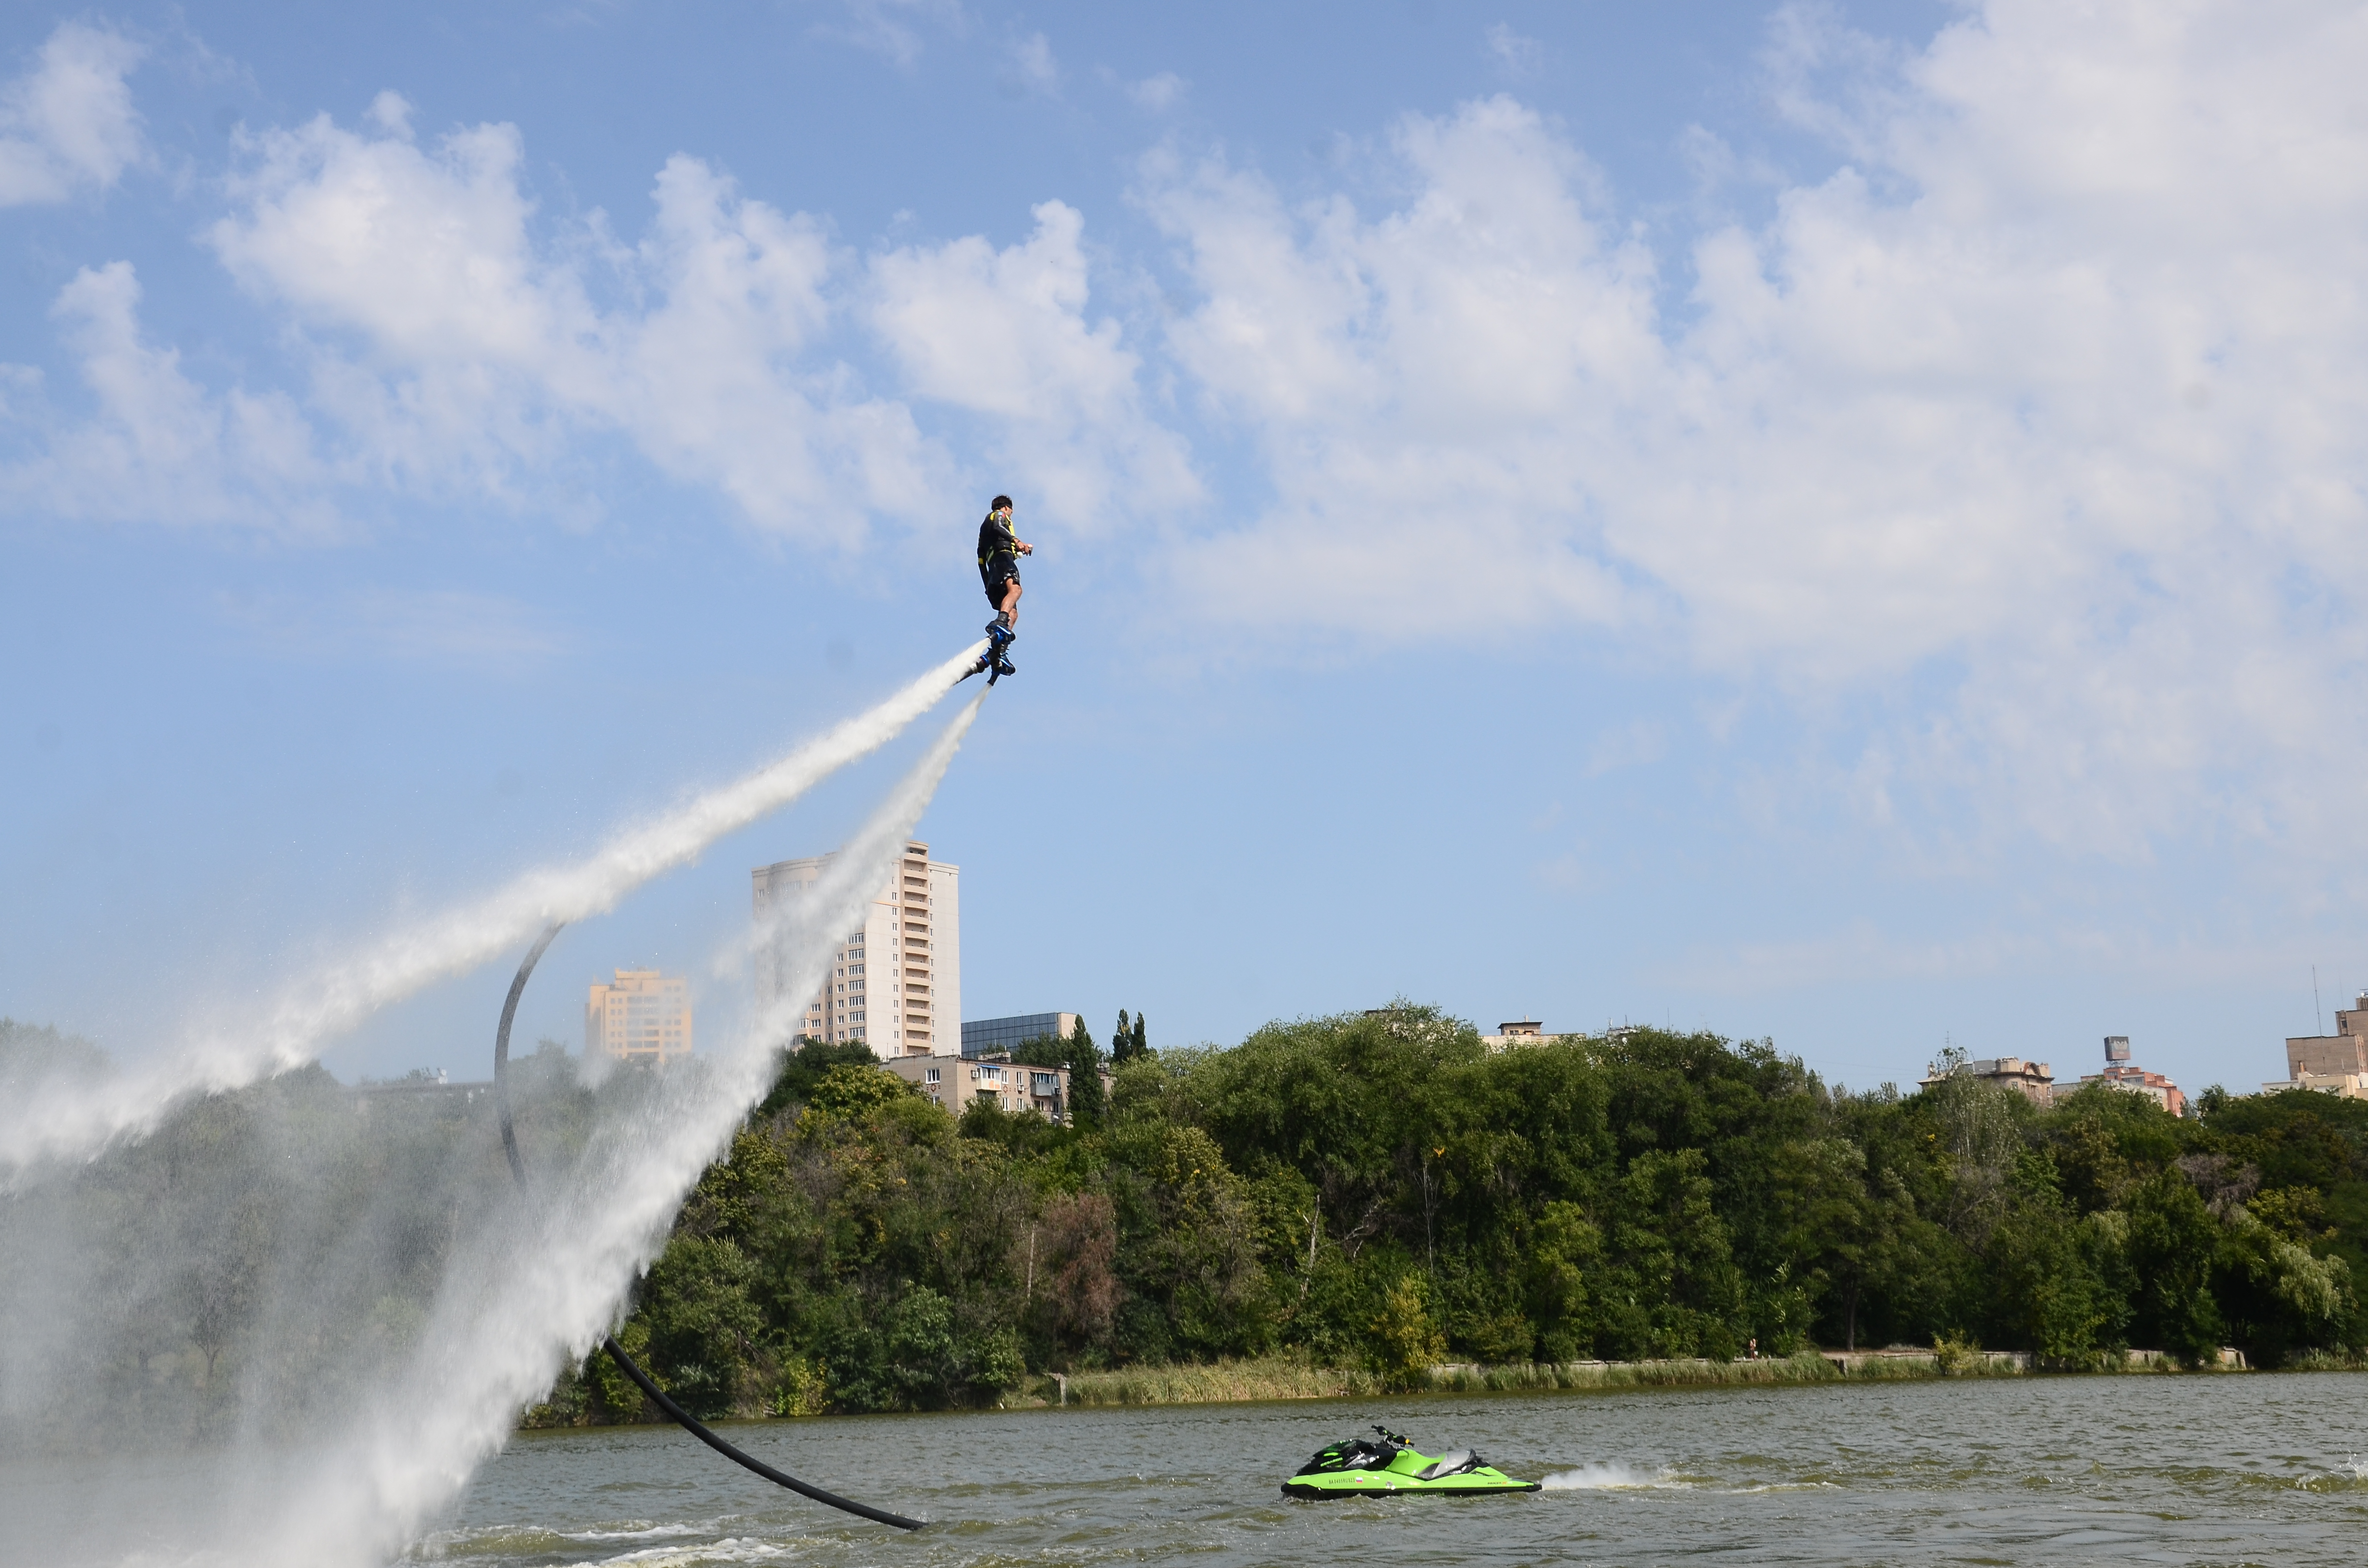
{"x":625,"y":1363}
{"x":58,"y":1120}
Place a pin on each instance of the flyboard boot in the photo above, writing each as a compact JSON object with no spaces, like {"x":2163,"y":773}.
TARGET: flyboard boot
{"x":996,"y":663}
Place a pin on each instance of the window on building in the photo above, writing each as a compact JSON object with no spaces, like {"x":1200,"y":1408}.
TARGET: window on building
{"x":932,"y":1075}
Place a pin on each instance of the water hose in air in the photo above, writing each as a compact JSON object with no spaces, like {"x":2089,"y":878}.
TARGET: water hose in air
{"x":657,"y":1396}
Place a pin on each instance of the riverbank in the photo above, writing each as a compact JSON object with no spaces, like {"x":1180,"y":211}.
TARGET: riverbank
{"x":1285,"y":1378}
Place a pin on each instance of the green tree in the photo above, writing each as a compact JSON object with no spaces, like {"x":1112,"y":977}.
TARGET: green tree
{"x":2049,"y":1292}
{"x":1126,"y":1045}
{"x":705,"y":1330}
{"x":2172,"y":1243}
{"x":802,"y":1067}
{"x":1077,"y":1051}
{"x":1405,"y":1344}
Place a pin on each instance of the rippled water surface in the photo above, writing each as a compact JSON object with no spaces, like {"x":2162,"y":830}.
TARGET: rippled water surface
{"x":2270,"y":1470}
{"x":2209,"y":1470}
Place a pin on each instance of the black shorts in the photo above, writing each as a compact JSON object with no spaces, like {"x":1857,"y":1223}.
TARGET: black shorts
{"x":997,"y":579}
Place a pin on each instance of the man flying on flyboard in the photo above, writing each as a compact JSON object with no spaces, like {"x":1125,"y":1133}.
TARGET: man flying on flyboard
{"x":998,"y":567}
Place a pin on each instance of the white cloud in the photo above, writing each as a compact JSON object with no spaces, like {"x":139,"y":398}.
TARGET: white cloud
{"x":1512,"y":54}
{"x":158,"y":448}
{"x":893,"y":29}
{"x":1160,"y":93}
{"x":458,"y":346}
{"x":391,"y":112}
{"x":2050,"y":399}
{"x":68,"y":123}
{"x":1632,"y":745}
{"x":474,"y":354}
{"x":1436,"y":391}
{"x":1003,"y":334}
{"x":2022,"y":451}
{"x":1032,"y":58}
{"x":432,"y":626}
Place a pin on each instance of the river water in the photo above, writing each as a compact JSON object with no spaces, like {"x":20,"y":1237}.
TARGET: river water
{"x":2259,"y":1469}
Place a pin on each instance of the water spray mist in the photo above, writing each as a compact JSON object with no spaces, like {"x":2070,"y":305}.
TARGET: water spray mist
{"x":54,"y":1119}
{"x":535,"y":1293}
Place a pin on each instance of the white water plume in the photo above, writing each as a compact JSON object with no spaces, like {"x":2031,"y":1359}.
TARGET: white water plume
{"x":530,"y":1297}
{"x":59,"y":1119}
{"x":1607,"y":1475}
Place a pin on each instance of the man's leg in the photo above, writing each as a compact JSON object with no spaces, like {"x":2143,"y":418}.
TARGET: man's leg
{"x":1010,"y":606}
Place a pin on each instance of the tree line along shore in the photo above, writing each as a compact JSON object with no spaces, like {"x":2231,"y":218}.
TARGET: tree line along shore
{"x":1376,"y":1202}
{"x":1354,"y":1204}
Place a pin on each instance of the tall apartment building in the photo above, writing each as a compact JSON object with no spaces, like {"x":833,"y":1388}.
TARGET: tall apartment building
{"x":641,"y":1016}
{"x":894,"y":981}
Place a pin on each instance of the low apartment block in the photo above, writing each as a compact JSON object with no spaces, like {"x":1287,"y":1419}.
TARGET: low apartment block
{"x":954,"y":1082}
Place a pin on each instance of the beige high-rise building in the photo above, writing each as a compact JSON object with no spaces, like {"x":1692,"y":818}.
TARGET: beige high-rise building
{"x":641,"y":1016}
{"x":895,"y":981}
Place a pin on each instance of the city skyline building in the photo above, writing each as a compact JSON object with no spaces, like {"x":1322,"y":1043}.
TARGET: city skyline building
{"x":641,"y":1015}
{"x":2331,"y":1063}
{"x":2033,"y":1080}
{"x":2122,"y":1073}
{"x":895,"y":981}
{"x":2339,"y":1054}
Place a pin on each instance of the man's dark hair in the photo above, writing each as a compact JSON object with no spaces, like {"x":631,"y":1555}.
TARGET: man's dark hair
{"x":998,"y":504}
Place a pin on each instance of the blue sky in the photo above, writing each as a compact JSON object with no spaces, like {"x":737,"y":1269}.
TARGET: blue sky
{"x":1837,"y":523}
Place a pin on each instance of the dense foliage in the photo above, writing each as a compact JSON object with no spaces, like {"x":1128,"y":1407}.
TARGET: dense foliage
{"x":1381,"y":1190}
{"x":1377,"y":1191}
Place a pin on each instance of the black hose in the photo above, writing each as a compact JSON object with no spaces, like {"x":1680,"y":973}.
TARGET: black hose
{"x":657,"y":1396}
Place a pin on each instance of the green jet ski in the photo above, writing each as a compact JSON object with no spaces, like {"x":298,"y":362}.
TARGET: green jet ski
{"x":1360,"y":1467}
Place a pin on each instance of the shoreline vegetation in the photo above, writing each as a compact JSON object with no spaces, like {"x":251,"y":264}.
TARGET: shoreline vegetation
{"x":1373,"y":1201}
{"x":1377,"y":1203}
{"x":1283,"y":1378}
